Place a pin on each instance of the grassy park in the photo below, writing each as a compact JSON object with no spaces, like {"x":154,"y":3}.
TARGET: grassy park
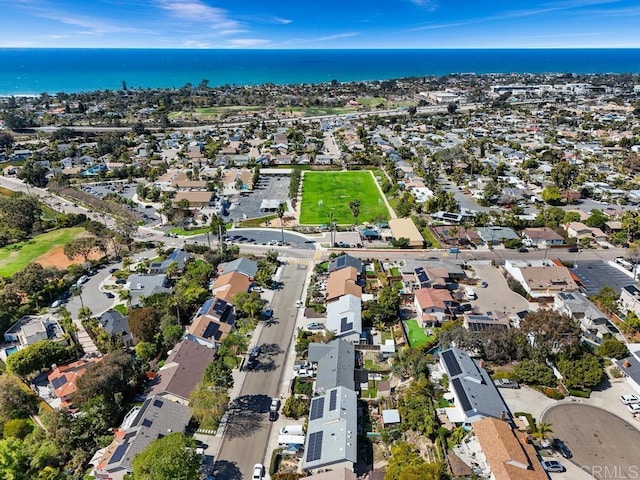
{"x":326,"y":192}
{"x":16,"y":256}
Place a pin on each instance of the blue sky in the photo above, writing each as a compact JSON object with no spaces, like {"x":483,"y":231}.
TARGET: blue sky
{"x":320,"y":23}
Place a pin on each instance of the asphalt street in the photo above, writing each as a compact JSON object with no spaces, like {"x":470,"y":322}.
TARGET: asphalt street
{"x":248,"y":430}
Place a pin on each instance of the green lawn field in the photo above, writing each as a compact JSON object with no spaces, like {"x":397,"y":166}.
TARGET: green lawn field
{"x":326,"y":192}
{"x":417,"y":335}
{"x":15,"y":257}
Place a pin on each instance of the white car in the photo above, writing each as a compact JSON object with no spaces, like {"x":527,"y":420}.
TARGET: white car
{"x":634,"y":408}
{"x":275,"y":405}
{"x":258,"y":472}
{"x":629,"y":399}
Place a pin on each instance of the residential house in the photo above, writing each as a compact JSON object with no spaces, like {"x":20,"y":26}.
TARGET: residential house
{"x":542,"y":236}
{"x":241,"y":265}
{"x":336,"y":362}
{"x":424,"y":277}
{"x":117,"y":325}
{"x":143,"y":286}
{"x":154,"y":419}
{"x":63,"y":379}
{"x":228,"y":285}
{"x":405,"y":228}
{"x":212,"y":324}
{"x":542,"y":279}
{"x":507,"y":451}
{"x":594,"y":324}
{"x":343,"y":261}
{"x":182,"y":371}
{"x":332,"y":431}
{"x":630,"y":299}
{"x":343,"y":282}
{"x":475,"y":395}
{"x":630,"y":366}
{"x":433,"y":306}
{"x":579,"y":230}
{"x":178,"y":256}
{"x":344,"y":318}
{"x":31,"y":329}
{"x":481,"y":322}
{"x":495,"y":235}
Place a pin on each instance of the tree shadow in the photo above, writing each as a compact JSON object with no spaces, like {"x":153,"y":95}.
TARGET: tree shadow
{"x":270,"y":321}
{"x":226,"y":470}
{"x":271,"y":349}
{"x":264,"y":365}
{"x":246,"y":415}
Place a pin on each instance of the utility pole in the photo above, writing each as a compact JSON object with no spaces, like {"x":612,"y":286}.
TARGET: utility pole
{"x":220,"y":239}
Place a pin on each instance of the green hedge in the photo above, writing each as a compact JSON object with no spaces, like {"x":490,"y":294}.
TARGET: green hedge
{"x":580,"y":393}
{"x":276,"y":458}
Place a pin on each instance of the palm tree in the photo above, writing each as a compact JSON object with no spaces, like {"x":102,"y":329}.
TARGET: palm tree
{"x":541,"y":431}
{"x":355,"y":210}
{"x":125,"y":295}
{"x":280,"y":213}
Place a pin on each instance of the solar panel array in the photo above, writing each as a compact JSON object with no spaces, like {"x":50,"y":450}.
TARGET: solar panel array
{"x":422,"y":275}
{"x":119,"y":453}
{"x":345,"y":324}
{"x":333,"y":400}
{"x":317,"y":408}
{"x":58,"y":382}
{"x":464,"y":400}
{"x":219,"y":307}
{"x":452,"y":363}
{"x":157,"y":403}
{"x":314,"y":448}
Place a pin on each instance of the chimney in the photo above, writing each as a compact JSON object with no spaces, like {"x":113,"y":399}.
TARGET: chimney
{"x":503,"y":416}
{"x":626,"y":364}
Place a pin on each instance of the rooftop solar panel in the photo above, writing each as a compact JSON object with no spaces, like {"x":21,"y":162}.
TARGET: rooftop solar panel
{"x":147,"y":423}
{"x":314,"y":448}
{"x":451,"y":362}
{"x":58,"y":382}
{"x":205,"y":306}
{"x":345,"y":324}
{"x":219,"y":306}
{"x":464,"y":400}
{"x":157,"y":403}
{"x":333,"y":400}
{"x":317,"y":408}
{"x":119,"y":453}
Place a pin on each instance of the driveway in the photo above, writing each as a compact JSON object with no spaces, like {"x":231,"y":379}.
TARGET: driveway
{"x":602,"y":443}
{"x":496,"y":297}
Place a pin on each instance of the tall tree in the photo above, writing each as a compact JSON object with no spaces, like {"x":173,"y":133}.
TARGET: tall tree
{"x":144,"y":323}
{"x":33,"y":173}
{"x":280,"y":214}
{"x":355,"y":210}
{"x":172,"y":457}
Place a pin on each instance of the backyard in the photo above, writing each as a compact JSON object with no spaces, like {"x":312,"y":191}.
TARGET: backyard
{"x":16,"y":256}
{"x":417,"y":335}
{"x":327,"y":192}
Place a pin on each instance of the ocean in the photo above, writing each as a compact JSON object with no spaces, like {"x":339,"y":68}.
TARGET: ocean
{"x":34,"y":71}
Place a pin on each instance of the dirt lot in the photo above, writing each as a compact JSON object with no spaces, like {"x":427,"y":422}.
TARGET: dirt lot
{"x":57,"y":258}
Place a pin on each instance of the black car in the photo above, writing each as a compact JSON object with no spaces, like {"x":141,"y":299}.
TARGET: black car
{"x":562,"y":449}
{"x":109,"y":295}
{"x":273,"y":415}
{"x":573,"y":249}
{"x":121,"y":281}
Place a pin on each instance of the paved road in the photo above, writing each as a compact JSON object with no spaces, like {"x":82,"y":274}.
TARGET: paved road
{"x":605,"y":446}
{"x":248,"y":429}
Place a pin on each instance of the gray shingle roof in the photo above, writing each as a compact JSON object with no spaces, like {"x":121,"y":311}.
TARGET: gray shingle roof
{"x":472,"y":386}
{"x":336,"y":364}
{"x":156,"y":417}
{"x":242,"y":265}
{"x":344,"y":261}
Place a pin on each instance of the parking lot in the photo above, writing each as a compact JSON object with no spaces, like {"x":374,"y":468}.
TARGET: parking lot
{"x":596,"y":274}
{"x":496,"y":297}
{"x":146,"y":213}
{"x":247,"y":204}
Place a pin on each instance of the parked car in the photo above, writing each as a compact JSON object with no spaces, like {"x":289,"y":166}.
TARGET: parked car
{"x":109,"y":295}
{"x":523,"y":250}
{"x":484,"y":284}
{"x":268,"y":313}
{"x":505,"y":383}
{"x":552,"y":466}
{"x":634,"y":408}
{"x":275,"y":405}
{"x":258,"y":472}
{"x":561,"y":448}
{"x":121,"y":281}
{"x":573,"y":249}
{"x":56,"y":304}
{"x":315,"y":326}
{"x":299,"y":303}
{"x":629,"y":399}
{"x":273,"y":415}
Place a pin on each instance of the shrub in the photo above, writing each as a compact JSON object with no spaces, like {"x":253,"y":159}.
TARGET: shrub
{"x":276,"y":458}
{"x":296,"y":407}
{"x":300,"y":387}
{"x":580,"y":393}
{"x":553,"y":393}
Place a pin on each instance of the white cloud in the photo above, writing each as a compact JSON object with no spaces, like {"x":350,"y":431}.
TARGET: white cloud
{"x":335,"y":37}
{"x":426,"y":4}
{"x":248,"y":42}
{"x":281,"y":21}
{"x":198,"y":11}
